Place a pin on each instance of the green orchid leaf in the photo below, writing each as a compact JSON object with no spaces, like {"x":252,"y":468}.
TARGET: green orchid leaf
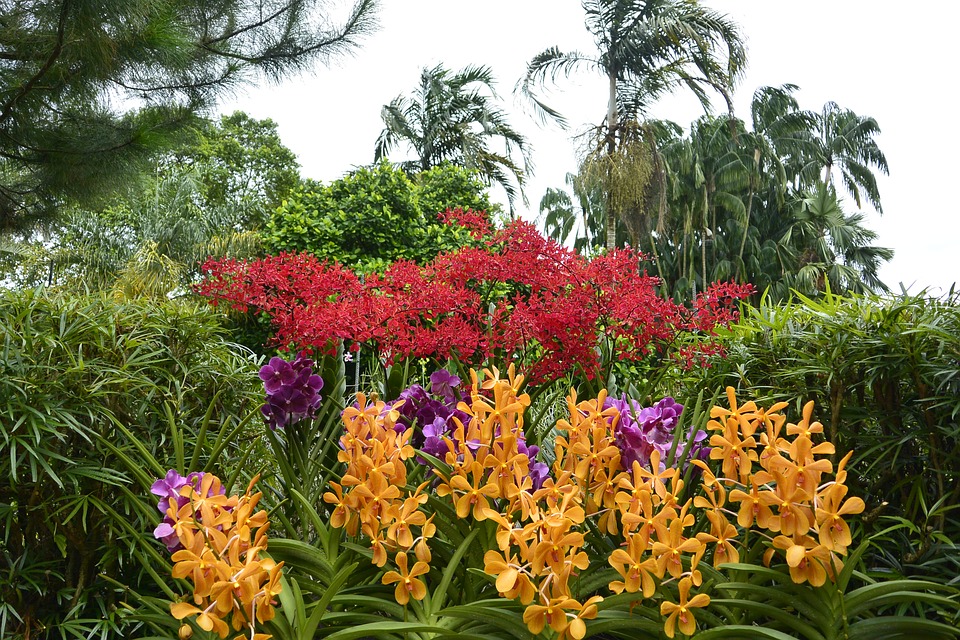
{"x":861,"y":600}
{"x":440,"y":593}
{"x":901,"y":628}
{"x":303,"y":557}
{"x":774,"y":612}
{"x":501,"y":613}
{"x":387,"y":628}
{"x":743,"y":632}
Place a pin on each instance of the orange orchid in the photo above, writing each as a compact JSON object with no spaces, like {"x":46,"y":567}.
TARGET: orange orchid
{"x":473,"y":496}
{"x":670,"y":547}
{"x":402,"y":517}
{"x":736,"y":453}
{"x":577,"y":628}
{"x":807,"y":560}
{"x":538,"y":616}
{"x":744,"y":417}
{"x":553,"y":549}
{"x":341,"y":512}
{"x":834,"y":531}
{"x":222,"y":537}
{"x":408,"y":584}
{"x":679,"y":615}
{"x":755,"y":506}
{"x":512,"y":580}
{"x":637,"y":572}
{"x":805,"y":427}
{"x":722,"y":533}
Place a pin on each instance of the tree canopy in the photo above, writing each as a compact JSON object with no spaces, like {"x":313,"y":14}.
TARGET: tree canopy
{"x":376,"y":215}
{"x":91,"y":90}
{"x":645,"y":49}
{"x":208,"y":198}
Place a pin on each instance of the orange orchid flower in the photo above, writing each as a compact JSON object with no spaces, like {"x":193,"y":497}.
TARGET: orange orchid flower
{"x":807,"y":560}
{"x":637,"y":572}
{"x":408,"y":584}
{"x":538,"y":616}
{"x":679,"y":615}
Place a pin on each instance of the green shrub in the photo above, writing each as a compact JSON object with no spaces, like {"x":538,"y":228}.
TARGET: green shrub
{"x":448,"y":186}
{"x":98,"y":398}
{"x":374,"y":216}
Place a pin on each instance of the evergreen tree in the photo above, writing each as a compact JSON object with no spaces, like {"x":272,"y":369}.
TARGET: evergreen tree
{"x":90,"y":90}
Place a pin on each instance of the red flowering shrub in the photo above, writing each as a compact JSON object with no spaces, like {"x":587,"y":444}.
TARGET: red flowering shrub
{"x":521,"y":296}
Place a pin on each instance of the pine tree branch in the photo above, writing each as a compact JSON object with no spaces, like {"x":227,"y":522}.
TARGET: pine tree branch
{"x":7,"y":109}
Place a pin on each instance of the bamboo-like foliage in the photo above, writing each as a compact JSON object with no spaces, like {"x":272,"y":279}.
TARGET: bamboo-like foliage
{"x":96,"y":399}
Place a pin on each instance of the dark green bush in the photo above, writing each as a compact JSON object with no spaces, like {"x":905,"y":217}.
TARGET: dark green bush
{"x":98,"y":398}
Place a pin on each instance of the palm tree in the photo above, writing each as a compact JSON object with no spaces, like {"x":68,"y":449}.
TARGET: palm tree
{"x":646,"y":48}
{"x":831,"y":247}
{"x":843,"y":141}
{"x":739,"y":206}
{"x":149,"y":245}
{"x":577,"y":220}
{"x":451,"y":117}
{"x":780,"y":132}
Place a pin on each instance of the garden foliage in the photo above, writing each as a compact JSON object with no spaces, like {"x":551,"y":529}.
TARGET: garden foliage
{"x":376,"y":215}
{"x":887,"y":373}
{"x":96,"y":398}
{"x":477,"y":543}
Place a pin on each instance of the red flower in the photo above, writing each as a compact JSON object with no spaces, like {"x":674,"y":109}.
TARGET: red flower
{"x":520,"y":296}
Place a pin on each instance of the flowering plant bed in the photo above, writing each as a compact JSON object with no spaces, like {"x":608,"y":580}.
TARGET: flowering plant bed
{"x":635,"y":526}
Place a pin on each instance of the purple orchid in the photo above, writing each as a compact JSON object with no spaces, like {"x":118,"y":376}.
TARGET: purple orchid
{"x":642,"y":430}
{"x":169,"y":488}
{"x":434,"y":416}
{"x":277,"y":373}
{"x":444,"y":384}
{"x":293,"y":390}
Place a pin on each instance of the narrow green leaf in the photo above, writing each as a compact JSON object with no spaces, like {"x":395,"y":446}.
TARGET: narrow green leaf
{"x":440,"y":593}
{"x":901,"y":628}
{"x":743,"y":632}
{"x":387,"y":627}
{"x":320,"y":608}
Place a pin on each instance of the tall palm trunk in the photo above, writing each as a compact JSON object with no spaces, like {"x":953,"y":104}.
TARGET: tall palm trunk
{"x":746,"y":224}
{"x":612,"y":116}
{"x":703,"y":241}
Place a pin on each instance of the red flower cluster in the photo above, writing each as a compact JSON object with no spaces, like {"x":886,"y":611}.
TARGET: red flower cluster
{"x":520,"y":296}
{"x":476,"y":222}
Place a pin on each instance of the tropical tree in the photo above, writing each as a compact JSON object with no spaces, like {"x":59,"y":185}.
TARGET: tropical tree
{"x":779,"y":131}
{"x":375,"y":215}
{"x":240,"y":163}
{"x":645,"y":49}
{"x":90,"y":90}
{"x":844,"y":142}
{"x":452,"y":117}
{"x":741,"y":206}
{"x":576,"y":221}
{"x":208,"y":198}
{"x":832,"y":248}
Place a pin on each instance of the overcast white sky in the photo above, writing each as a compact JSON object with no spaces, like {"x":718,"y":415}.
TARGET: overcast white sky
{"x":888,"y":60}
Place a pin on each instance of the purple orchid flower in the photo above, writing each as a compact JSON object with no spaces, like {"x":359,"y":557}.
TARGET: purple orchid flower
{"x":444,"y":384}
{"x":169,"y":488}
{"x":293,"y":390}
